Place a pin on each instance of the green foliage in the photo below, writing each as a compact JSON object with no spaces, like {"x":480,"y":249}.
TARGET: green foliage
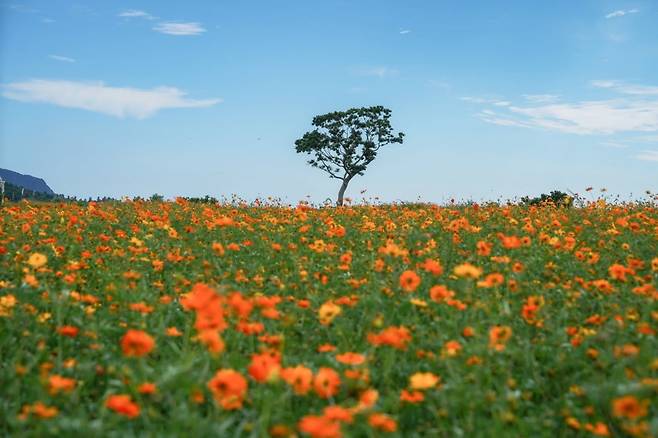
{"x":556,"y":197}
{"x":344,"y":143}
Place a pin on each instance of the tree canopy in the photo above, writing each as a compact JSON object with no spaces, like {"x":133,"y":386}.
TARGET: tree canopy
{"x":344,"y":143}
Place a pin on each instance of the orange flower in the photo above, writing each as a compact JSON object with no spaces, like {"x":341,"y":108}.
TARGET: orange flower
{"x":326,"y":382}
{"x":492,"y":280}
{"x":68,"y":330}
{"x":299,"y":377}
{"x":423,"y":381}
{"x":147,"y":388}
{"x":228,"y":388}
{"x":440,"y":293}
{"x":43,"y":411}
{"x":350,"y":358}
{"x":212,"y":340}
{"x":265,"y":367}
{"x":618,"y":272}
{"x":327,"y":312}
{"x":326,"y":348}
{"x":498,"y":337}
{"x":452,"y":348}
{"x":173,"y":332}
{"x":433,"y":267}
{"x":382,"y":422}
{"x":58,"y":384}
{"x":411,"y":397}
{"x":338,"y":413}
{"x":122,"y":404}
{"x":37,"y":260}
{"x":136,"y":343}
{"x":629,"y":407}
{"x":396,"y":337}
{"x":319,"y":427}
{"x":409,"y":281}
{"x":467,"y":270}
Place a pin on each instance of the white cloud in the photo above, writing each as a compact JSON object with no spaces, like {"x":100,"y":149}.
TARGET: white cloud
{"x":614,"y":144}
{"x":593,"y":117}
{"x":380,"y":72}
{"x":404,"y":31}
{"x":178,"y":29}
{"x":647,"y":155}
{"x":47,"y":20}
{"x":98,"y":97}
{"x":625,"y":88}
{"x":134,"y":13}
{"x":541,"y":98}
{"x":61,"y":58}
{"x":635,"y":111}
{"x":621,"y":13}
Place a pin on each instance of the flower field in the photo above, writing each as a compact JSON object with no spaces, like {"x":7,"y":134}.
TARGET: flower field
{"x":185,"y":319}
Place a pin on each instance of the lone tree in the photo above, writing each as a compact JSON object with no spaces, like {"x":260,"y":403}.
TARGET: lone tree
{"x":343,"y":143}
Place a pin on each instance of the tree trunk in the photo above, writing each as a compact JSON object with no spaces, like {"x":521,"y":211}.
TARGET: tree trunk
{"x":341,"y":192}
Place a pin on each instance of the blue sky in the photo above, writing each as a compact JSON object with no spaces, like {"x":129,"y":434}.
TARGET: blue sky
{"x":497,"y":99}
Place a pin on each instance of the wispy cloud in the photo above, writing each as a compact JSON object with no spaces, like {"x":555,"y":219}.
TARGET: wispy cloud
{"x":621,"y":13}
{"x":484,"y":100}
{"x":61,"y":58}
{"x":541,"y":98}
{"x":635,"y":111}
{"x":625,"y":88}
{"x":179,"y":29}
{"x":98,"y":97}
{"x":380,"y":72}
{"x":405,"y":31}
{"x":647,"y":155}
{"x":135,"y":13}
{"x":47,"y":20}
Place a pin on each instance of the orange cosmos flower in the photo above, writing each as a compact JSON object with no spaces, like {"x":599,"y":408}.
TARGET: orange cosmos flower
{"x":423,"y":381}
{"x":452,"y":348}
{"x":68,"y":330}
{"x":147,"y":388}
{"x":325,"y":348}
{"x":338,"y":413}
{"x":327,"y":312}
{"x":350,"y":358}
{"x":136,"y":343}
{"x":122,"y":404}
{"x":498,"y":337}
{"x":299,"y":377}
{"x":492,"y":280}
{"x":409,"y":281}
{"x":228,"y":388}
{"x":433,"y":267}
{"x":382,"y":422}
{"x":326,"y":382}
{"x":618,"y":272}
{"x":629,"y":407}
{"x":173,"y":332}
{"x":57,"y":384}
{"x":37,"y":260}
{"x":265,"y":367}
{"x":396,"y":337}
{"x":411,"y":397}
{"x":319,"y":427}
{"x":43,"y":411}
{"x":439,"y":293}
{"x":466,"y":270}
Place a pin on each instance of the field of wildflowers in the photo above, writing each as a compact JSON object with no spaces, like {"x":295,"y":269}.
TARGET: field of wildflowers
{"x":172,"y":318}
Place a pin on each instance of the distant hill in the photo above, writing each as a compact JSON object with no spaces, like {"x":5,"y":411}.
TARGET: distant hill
{"x":29,"y":182}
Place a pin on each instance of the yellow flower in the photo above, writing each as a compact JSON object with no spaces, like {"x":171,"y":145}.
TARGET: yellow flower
{"x":327,"y":312}
{"x":37,"y":260}
{"x":467,"y":270}
{"x":417,"y":302}
{"x":422,"y":381}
